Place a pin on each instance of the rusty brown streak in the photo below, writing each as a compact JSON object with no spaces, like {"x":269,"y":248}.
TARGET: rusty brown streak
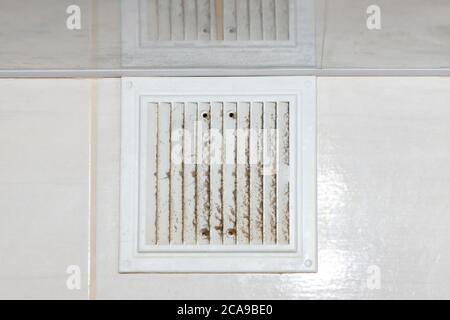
{"x":219,"y":19}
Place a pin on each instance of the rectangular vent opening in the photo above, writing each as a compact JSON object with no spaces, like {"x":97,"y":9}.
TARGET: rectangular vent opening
{"x":215,"y":172}
{"x":217,"y":21}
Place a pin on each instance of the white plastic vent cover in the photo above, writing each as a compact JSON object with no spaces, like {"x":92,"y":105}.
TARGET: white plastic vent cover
{"x":218,"y":175}
{"x":217,"y":33}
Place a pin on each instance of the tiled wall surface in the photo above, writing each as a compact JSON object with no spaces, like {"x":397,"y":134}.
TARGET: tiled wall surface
{"x":383,"y":178}
{"x":44,"y":186}
{"x":414,"y":34}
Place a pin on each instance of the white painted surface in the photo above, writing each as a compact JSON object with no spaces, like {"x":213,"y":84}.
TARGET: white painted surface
{"x":44,"y":187}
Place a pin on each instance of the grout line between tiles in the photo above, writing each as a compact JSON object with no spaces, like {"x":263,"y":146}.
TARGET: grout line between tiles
{"x":92,"y":253}
{"x":92,"y":250}
{"x":228,"y":72}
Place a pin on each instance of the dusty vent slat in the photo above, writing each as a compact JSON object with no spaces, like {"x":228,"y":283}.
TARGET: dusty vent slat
{"x":176,"y":174}
{"x":243,"y":173}
{"x":221,"y":172}
{"x":229,"y":173}
{"x":203,"y":173}
{"x":282,"y":24}
{"x":190,"y":20}
{"x":270,"y":175}
{"x":256,"y":170}
{"x":216,"y":20}
{"x":242,"y":20}
{"x":216,"y":170}
{"x":189,"y":174}
{"x":283,"y":173}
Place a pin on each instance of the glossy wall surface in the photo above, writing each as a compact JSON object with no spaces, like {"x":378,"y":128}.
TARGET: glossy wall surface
{"x":383,"y":207}
{"x":412,"y":34}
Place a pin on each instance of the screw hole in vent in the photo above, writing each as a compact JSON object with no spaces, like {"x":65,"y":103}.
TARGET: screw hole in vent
{"x":205,"y":233}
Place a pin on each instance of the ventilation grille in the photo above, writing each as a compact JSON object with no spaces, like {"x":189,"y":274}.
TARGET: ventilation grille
{"x":219,"y":21}
{"x":218,"y":174}
{"x":214,"y":172}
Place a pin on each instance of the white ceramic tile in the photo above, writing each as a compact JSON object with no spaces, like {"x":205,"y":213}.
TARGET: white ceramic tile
{"x":413,"y":34}
{"x":44,"y":162}
{"x":34,"y":35}
{"x":383,"y":176}
{"x":384,"y":161}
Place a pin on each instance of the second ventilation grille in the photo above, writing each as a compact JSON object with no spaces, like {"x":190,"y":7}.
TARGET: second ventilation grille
{"x":216,"y":20}
{"x":214,"y":171}
{"x":212,"y":34}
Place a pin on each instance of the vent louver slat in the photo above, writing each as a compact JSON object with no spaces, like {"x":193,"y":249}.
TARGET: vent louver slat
{"x":189,"y":178}
{"x":243,"y":172}
{"x":221,"y":172}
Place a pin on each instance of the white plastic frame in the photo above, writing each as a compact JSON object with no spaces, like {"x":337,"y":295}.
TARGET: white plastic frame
{"x":299,"y":256}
